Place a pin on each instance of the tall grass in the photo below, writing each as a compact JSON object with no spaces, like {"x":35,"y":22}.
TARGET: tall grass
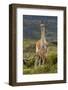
{"x":29,"y":58}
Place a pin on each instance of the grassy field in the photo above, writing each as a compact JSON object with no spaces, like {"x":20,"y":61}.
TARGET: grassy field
{"x":29,"y":58}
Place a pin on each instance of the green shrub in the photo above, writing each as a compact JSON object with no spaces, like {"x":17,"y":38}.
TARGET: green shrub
{"x":52,"y":58}
{"x":27,"y":71}
{"x":53,"y":69}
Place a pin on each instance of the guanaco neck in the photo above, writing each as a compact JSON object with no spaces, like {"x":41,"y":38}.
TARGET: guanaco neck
{"x":43,"y":33}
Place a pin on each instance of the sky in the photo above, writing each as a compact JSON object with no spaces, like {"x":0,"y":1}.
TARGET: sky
{"x":31,"y":26}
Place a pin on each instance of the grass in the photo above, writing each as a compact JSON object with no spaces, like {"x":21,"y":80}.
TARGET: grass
{"x":29,"y":59}
{"x":41,"y":69}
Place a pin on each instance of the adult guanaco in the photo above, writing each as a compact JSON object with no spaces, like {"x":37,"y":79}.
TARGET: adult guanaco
{"x":41,"y":47}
